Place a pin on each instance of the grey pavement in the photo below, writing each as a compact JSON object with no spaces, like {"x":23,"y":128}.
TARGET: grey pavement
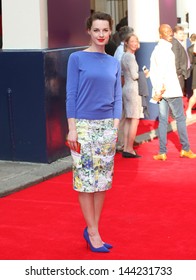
{"x":15,"y":176}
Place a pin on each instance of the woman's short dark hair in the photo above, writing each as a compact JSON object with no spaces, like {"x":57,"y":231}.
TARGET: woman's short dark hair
{"x":98,"y":15}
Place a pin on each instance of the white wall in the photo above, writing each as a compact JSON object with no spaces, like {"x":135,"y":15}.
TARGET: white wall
{"x":183,"y":7}
{"x":146,"y":24}
{"x":24,"y":24}
{"x":192,"y":17}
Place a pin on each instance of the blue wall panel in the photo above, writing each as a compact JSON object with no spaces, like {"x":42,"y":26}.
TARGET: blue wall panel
{"x":33,"y":123}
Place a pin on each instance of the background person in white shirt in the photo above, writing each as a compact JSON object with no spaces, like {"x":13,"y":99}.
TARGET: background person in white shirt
{"x":167,"y":91}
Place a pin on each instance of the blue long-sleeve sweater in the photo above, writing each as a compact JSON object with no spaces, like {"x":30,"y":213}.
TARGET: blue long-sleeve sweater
{"x":94,"y":89}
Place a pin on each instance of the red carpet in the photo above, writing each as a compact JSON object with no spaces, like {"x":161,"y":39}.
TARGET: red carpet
{"x":149,"y":213}
{"x":146,"y":126}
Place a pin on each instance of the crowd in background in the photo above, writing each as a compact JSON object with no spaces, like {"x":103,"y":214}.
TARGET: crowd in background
{"x":185,"y":60}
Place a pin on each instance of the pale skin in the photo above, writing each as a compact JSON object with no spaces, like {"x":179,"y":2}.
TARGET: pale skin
{"x":179,"y":35}
{"x":191,"y":103}
{"x":92,"y":203}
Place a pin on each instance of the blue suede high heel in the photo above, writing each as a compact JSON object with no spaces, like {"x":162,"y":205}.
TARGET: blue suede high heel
{"x":107,"y":245}
{"x":101,"y":249}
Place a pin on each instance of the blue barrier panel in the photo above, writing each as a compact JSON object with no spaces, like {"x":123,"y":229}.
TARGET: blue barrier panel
{"x":33,"y":124}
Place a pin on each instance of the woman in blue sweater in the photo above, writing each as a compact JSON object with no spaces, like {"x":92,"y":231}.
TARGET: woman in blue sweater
{"x":94,"y":107}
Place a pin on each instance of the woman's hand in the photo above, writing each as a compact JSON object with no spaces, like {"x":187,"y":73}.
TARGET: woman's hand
{"x":116,"y":123}
{"x":72,"y":137}
{"x":72,"y":142}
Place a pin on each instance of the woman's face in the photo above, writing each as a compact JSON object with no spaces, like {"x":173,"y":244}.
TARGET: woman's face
{"x":133,"y":44}
{"x":100,"y":32}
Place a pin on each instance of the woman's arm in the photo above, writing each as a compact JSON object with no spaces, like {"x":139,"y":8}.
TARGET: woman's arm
{"x":117,"y":111}
{"x":72,"y":136}
{"x":72,"y":86}
{"x":116,"y":123}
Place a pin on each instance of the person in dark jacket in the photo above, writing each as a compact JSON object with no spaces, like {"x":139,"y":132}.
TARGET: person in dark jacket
{"x":181,"y":57}
{"x":192,"y":56}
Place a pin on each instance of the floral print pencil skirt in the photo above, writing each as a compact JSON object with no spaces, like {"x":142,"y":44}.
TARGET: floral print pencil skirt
{"x":93,"y":166}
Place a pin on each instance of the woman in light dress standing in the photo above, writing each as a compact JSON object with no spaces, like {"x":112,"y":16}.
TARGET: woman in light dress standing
{"x":132,"y":102}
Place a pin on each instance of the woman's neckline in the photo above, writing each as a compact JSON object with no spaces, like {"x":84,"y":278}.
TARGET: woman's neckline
{"x":94,"y":52}
{"x":88,"y":50}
